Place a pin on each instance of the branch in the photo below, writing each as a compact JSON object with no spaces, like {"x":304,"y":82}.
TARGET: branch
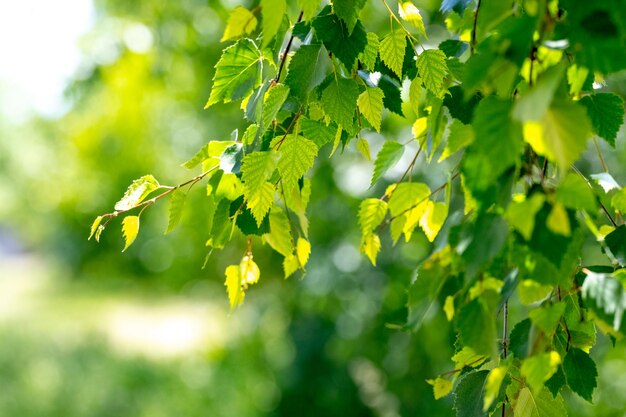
{"x":576,"y":170}
{"x":286,"y":51}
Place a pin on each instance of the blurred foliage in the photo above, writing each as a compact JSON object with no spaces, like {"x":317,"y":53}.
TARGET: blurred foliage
{"x":322,"y":345}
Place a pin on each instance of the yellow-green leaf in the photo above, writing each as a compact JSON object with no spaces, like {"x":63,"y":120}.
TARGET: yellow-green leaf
{"x":392,"y":49}
{"x":370,"y":246}
{"x":433,"y":218}
{"x":290,"y":265}
{"x":94,"y":227}
{"x":137,"y":192}
{"x":260,"y":201}
{"x":233,"y":285}
{"x":448,"y":307}
{"x":130,"y":229}
{"x":432,"y":68}
{"x":279,"y":237}
{"x":272,"y":12}
{"x":411,"y":14}
{"x":492,"y":386}
{"x":297,"y":157}
{"x":303,"y":250}
{"x":539,"y":368}
{"x":441,"y":387}
{"x":370,"y":104}
{"x":175,"y":212}
{"x":249,"y":271}
{"x":372,"y":211}
{"x":364,"y":147}
{"x":240,"y":22}
{"x":558,"y":220}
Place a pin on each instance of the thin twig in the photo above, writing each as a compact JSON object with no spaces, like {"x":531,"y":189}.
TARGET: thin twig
{"x":505,"y":343}
{"x":599,"y":200}
{"x":168,"y":191}
{"x":286,"y":51}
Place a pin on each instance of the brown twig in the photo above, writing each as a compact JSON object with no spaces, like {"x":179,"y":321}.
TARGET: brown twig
{"x":286,"y":51}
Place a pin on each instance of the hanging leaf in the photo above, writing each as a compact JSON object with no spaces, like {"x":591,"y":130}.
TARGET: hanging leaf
{"x":387,"y":157}
{"x":339,"y":100}
{"x":297,"y":157}
{"x":237,"y":73}
{"x":175,"y":212}
{"x":432,"y":68}
{"x":411,"y":14}
{"x":130,"y":229}
{"x":370,"y":104}
{"x":94,"y":227}
{"x":392,"y":50}
{"x":241,"y":22}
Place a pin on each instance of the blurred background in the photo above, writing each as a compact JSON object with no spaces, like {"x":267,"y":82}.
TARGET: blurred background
{"x":94,"y":94}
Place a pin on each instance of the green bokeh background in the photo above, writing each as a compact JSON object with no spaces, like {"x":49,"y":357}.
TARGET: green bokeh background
{"x":88,"y":331}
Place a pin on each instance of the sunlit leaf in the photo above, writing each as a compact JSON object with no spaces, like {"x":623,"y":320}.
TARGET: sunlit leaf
{"x":137,"y":192}
{"x":130,"y":229}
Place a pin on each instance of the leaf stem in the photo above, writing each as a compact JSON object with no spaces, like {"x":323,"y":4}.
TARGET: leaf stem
{"x":473,"y":38}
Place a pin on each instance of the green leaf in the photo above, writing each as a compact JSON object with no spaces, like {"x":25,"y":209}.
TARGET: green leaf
{"x":237,"y":72}
{"x":392,"y":49}
{"x":407,"y":195}
{"x":363,"y":146}
{"x":274,"y":100}
{"x":130,"y":229}
{"x":411,"y":14}
{"x":537,"y":369}
{"x":580,"y":372}
{"x":616,"y":243}
{"x":432,"y":68}
{"x":372,"y":211}
{"x":546,"y":318}
{"x":279,"y":237}
{"x":533,"y":104}
{"x":521,"y":214}
{"x":477,"y":327}
{"x":229,"y":187}
{"x":575,"y":193}
{"x":370,"y":246}
{"x":272,"y":12}
{"x":306,"y":70}
{"x":541,"y":405}
{"x":94,"y":227}
{"x":469,"y":395}
{"x":370,"y":104}
{"x":498,"y":147}
{"x":343,"y":44}
{"x":348,"y":11}
{"x":308,"y":7}
{"x":339,"y":100}
{"x":260,"y":201}
{"x":562,"y":135}
{"x":459,"y":137}
{"x":137,"y":192}
{"x":213,"y":149}
{"x":241,"y":22}
{"x":387,"y":157}
{"x":370,"y":53}
{"x":606,"y":112}
{"x":424,"y":291}
{"x":316,"y":131}
{"x":297,"y":157}
{"x":519,"y":339}
{"x":177,"y":203}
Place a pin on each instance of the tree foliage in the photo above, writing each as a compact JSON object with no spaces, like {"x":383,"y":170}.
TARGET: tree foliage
{"x":509,"y":99}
